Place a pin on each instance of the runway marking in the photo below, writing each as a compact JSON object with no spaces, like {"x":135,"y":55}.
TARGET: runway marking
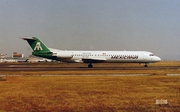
{"x":62,"y":75}
{"x":103,"y":75}
{"x":51,"y":75}
{"x":173,"y":74}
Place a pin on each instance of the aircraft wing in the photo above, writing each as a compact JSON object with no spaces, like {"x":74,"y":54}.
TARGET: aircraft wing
{"x":93,"y":60}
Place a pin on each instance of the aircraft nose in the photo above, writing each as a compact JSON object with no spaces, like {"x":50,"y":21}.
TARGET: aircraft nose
{"x":156,"y":58}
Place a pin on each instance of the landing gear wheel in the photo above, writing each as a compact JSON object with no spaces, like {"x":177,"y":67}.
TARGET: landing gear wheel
{"x":145,"y":65}
{"x":90,"y":65}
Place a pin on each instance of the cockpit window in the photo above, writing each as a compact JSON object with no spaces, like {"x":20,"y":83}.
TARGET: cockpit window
{"x":150,"y":54}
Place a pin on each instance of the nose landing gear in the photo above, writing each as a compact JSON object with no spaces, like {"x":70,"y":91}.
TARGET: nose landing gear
{"x":146,"y":65}
{"x":90,"y":65}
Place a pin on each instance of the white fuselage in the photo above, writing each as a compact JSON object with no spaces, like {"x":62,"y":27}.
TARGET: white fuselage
{"x":106,"y":56}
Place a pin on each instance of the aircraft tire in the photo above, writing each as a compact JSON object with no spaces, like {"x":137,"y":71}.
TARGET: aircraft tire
{"x":90,"y":66}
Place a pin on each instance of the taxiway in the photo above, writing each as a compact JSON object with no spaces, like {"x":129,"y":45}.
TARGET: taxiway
{"x":34,"y":67}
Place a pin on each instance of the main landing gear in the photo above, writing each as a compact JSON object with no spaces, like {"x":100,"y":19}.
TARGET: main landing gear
{"x":146,"y":65}
{"x":90,"y":65}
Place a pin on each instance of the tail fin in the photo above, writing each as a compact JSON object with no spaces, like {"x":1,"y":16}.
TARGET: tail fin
{"x":38,"y":47}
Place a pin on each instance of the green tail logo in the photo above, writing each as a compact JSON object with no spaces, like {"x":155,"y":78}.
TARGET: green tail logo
{"x":38,"y":47}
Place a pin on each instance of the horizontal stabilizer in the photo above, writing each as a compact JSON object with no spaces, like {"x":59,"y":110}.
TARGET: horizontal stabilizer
{"x":28,"y":38}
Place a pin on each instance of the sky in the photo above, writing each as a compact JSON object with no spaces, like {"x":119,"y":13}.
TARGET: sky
{"x":108,"y":25}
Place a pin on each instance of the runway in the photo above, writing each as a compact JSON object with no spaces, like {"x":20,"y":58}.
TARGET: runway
{"x":34,"y":67}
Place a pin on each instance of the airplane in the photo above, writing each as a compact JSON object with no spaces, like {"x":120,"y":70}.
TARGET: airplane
{"x":90,"y":57}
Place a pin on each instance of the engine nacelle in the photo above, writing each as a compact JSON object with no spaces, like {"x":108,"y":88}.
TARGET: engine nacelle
{"x":63,"y":55}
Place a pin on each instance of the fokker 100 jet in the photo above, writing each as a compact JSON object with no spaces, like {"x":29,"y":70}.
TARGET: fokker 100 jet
{"x":41,"y":50}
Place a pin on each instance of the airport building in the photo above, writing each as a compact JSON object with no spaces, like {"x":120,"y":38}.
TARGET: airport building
{"x":12,"y":59}
{"x":3,"y":55}
{"x":16,"y":55}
